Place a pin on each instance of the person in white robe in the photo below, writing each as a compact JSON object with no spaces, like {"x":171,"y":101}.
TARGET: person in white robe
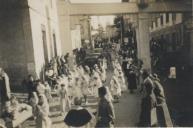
{"x":95,"y":74}
{"x":48,"y":76}
{"x":33,"y":101}
{"x":97,"y":70}
{"x":96,"y":83}
{"x":121,"y":80}
{"x":85,"y":90}
{"x":105,"y":63}
{"x":42,"y":113}
{"x":48,"y":91}
{"x":74,"y":72}
{"x":77,"y":88}
{"x":109,"y":96}
{"x":117,"y":64}
{"x":63,"y":98}
{"x":115,"y":88}
{"x":80,"y":70}
{"x":70,"y":89}
{"x":103,"y":74}
{"x":40,"y":88}
{"x":116,"y":72}
{"x":87,"y":70}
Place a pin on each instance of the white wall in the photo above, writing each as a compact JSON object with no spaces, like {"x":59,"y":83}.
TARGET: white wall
{"x":64,"y":25}
{"x":76,"y":37}
{"x":40,"y":16}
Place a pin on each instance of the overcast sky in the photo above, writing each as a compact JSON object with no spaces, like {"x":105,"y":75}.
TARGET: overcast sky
{"x":95,"y":1}
{"x":96,"y":20}
{"x":102,"y":20}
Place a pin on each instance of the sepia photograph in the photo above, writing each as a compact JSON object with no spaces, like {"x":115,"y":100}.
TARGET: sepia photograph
{"x":96,"y":63}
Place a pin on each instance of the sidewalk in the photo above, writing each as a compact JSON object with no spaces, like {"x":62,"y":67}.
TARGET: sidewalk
{"x":127,"y":111}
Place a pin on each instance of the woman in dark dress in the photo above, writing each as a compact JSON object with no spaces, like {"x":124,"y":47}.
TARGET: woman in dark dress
{"x":132,"y":81}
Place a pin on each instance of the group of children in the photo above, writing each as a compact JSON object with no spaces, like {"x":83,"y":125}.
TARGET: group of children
{"x":81,"y":81}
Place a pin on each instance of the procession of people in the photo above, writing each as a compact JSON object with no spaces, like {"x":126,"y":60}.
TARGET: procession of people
{"x":73,"y":82}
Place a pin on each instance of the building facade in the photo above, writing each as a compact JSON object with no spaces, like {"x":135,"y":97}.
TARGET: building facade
{"x":29,"y":37}
{"x":173,"y":32}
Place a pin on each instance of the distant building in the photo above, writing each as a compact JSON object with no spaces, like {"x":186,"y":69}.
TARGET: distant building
{"x":173,"y":32}
{"x":170,"y":27}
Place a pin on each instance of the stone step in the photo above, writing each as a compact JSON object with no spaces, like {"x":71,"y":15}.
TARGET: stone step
{"x":55,"y":113}
{"x":55,"y":117}
{"x":58,"y":119}
{"x":91,"y":104}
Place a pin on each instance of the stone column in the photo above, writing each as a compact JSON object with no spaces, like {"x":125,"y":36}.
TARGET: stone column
{"x":143,"y":38}
{"x":64,"y":23}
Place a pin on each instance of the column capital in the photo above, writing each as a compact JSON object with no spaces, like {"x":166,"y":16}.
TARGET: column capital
{"x":143,"y":37}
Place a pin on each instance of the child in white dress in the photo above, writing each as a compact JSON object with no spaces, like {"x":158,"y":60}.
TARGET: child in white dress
{"x":77,"y":88}
{"x":103,"y":74}
{"x":48,"y":91}
{"x":63,"y":98}
{"x":109,"y":96}
{"x":70,"y":89}
{"x":85,"y":90}
{"x":96,"y":83}
{"x":115,"y":88}
{"x":121,"y":80}
{"x":33,"y":102}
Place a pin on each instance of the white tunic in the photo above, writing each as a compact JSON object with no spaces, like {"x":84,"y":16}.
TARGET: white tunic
{"x":115,"y":87}
{"x":121,"y":81}
{"x":95,"y":85}
{"x":77,"y":90}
